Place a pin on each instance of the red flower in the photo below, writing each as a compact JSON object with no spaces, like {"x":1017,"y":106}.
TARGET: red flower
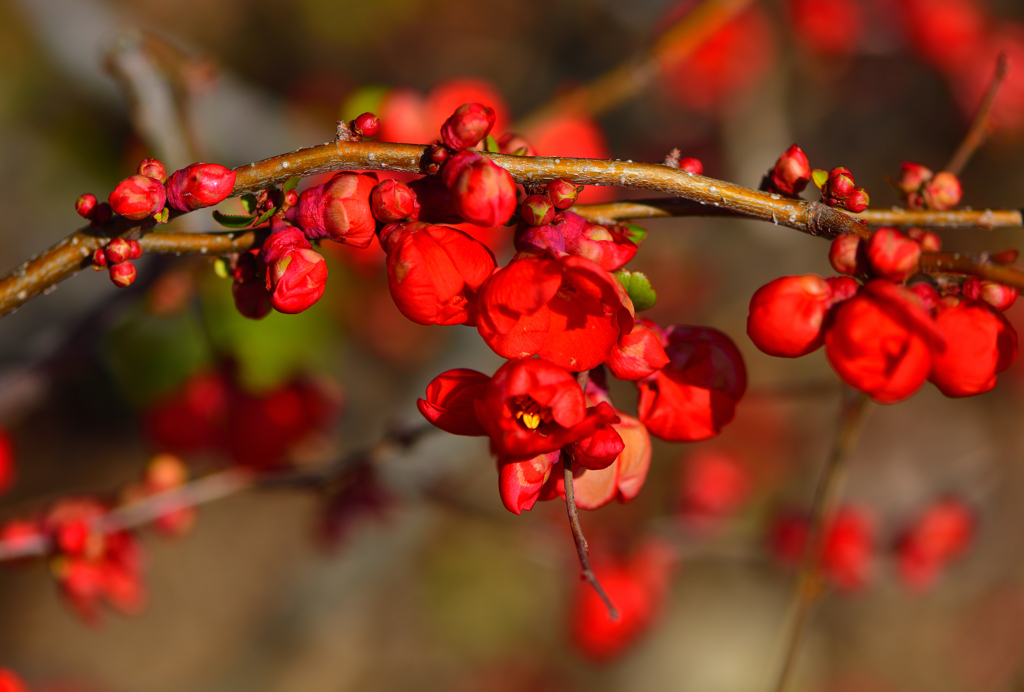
{"x":137,"y":197}
{"x":980,"y":344}
{"x":791,"y":173}
{"x":714,"y":485}
{"x":296,"y":273}
{"x":339,"y":209}
{"x":881,"y":342}
{"x":609,"y":247}
{"x":638,"y":354}
{"x":521,"y":481}
{"x":939,"y":535}
{"x":569,"y":311}
{"x":199,"y":185}
{"x":484,"y":193}
{"x":467,"y":126}
{"x":787,"y":314}
{"x":693,"y":396}
{"x":636,"y":587}
{"x":893,"y":255}
{"x":451,"y":401}
{"x":393,"y":200}
{"x":434,"y":272}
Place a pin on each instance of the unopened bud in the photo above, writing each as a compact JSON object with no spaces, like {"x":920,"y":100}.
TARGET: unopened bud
{"x":563,"y":193}
{"x":86,"y":206}
{"x":857,"y":201}
{"x":135,"y":249}
{"x":151,"y":168}
{"x":99,"y":259}
{"x":840,"y":183}
{"x":118,"y":250}
{"x":929,"y":241}
{"x":791,"y":173}
{"x":913,"y":176}
{"x":366,"y":125}
{"x":844,"y":255}
{"x":122,"y":274}
{"x":467,"y":126}
{"x":537,"y":210}
{"x":942,"y":192}
{"x":893,"y":255}
{"x":137,"y":197}
{"x":998,"y":296}
{"x":392,"y":201}
{"x":199,"y":185}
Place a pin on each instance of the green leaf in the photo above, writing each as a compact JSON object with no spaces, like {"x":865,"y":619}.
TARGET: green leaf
{"x":819,"y":176}
{"x":635,"y":233}
{"x":290,"y":184}
{"x":266,"y":216}
{"x":249,"y":203}
{"x":232,"y":221}
{"x":491,"y":144}
{"x":639,"y":289}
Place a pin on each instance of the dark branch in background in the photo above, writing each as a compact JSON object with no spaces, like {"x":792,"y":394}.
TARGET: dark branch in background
{"x":826,"y":500}
{"x":225,"y":484}
{"x":978,"y":132}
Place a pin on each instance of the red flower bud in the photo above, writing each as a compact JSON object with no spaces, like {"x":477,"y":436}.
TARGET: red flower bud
{"x":537,"y":210}
{"x":123,"y":274}
{"x":881,"y":342}
{"x":135,"y":249}
{"x":638,"y":354}
{"x":845,"y":254}
{"x":455,"y":165}
{"x":857,"y":201}
{"x":151,"y":168}
{"x":998,"y":296}
{"x":467,"y":126}
{"x":942,"y":192}
{"x":291,"y":198}
{"x":297,"y":273}
{"x":438,"y":154}
{"x":199,"y":185}
{"x":434,"y":273}
{"x":942,"y":533}
{"x":928,"y":240}
{"x":791,"y":173}
{"x":99,"y":259}
{"x":693,"y":396}
{"x":691,"y":165}
{"x":980,"y":344}
{"x":484,"y":194}
{"x":339,"y":209}
{"x":913,"y":176}
{"x":137,"y":197}
{"x":86,"y":206}
{"x":839,"y":184}
{"x":893,"y":255}
{"x":786,"y":315}
{"x":927,"y":294}
{"x":563,"y":193}
{"x":118,"y":250}
{"x":366,"y":125}
{"x":393,"y":201}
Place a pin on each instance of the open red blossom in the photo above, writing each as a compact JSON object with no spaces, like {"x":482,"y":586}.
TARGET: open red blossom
{"x":568,"y":311}
{"x":638,"y":354}
{"x":621,"y":480}
{"x":484,"y":193}
{"x":451,"y":401}
{"x":532,"y":406}
{"x":339,"y":209}
{"x":881,"y":342}
{"x":636,"y":587}
{"x":714,"y":485}
{"x":609,"y":247}
{"x":980,"y":344}
{"x":296,"y":273}
{"x":434,"y":272}
{"x":137,"y":197}
{"x":693,"y":396}
{"x":199,"y":185}
{"x":467,"y":126}
{"x":942,"y":533}
{"x":520,"y":481}
{"x":787,"y":315}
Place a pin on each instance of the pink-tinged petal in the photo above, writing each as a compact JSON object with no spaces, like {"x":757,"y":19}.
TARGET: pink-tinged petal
{"x":635,"y":459}
{"x":594,"y":488}
{"x":520,"y":480}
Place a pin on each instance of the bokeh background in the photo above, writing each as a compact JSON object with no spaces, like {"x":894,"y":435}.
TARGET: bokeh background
{"x":437,"y":586}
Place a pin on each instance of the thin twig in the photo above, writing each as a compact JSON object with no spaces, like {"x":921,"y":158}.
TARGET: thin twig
{"x":581,"y":541}
{"x":905,"y":218}
{"x":978,"y":132}
{"x":826,"y":498}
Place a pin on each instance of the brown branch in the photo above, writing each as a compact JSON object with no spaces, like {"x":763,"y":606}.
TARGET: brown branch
{"x":978,"y":132}
{"x":582,"y":550}
{"x":826,"y":499}
{"x":633,"y":76}
{"x":668,"y":207}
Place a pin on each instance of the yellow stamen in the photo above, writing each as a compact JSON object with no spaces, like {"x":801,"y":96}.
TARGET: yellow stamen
{"x":530,"y":420}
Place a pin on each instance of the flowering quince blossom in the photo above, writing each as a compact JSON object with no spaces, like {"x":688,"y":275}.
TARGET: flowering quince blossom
{"x":339,"y":209}
{"x":695,"y":394}
{"x":787,"y":315}
{"x":296,"y":273}
{"x":568,"y":311}
{"x":137,"y":197}
{"x":980,"y":344}
{"x":434,"y":272}
{"x":199,"y":185}
{"x":940,"y":534}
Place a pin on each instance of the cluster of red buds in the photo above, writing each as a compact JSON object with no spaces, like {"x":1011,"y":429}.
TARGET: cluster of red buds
{"x":849,"y":550}
{"x":638,"y":586}
{"x":149,"y":193}
{"x":211,"y":412}
{"x":922,"y":189}
{"x":839,"y":190}
{"x":116,"y":258}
